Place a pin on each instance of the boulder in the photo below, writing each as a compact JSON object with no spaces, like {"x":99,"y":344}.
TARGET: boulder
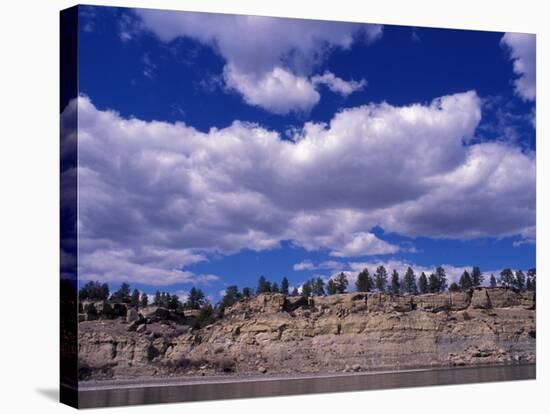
{"x":132,"y":327}
{"x":132,"y":315}
{"x":104,"y":309}
{"x":119,"y":310}
{"x":156,"y":313}
{"x":294,"y":302}
{"x":90,"y":310}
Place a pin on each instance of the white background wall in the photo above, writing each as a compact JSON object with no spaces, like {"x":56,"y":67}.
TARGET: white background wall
{"x":29,"y":204}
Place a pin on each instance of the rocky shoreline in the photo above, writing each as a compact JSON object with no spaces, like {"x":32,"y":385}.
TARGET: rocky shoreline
{"x":274,"y":334}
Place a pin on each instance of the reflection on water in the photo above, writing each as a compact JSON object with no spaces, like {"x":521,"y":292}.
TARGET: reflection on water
{"x":264,"y":388}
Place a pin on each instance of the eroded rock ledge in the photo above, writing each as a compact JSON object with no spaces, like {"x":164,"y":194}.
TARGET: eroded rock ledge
{"x":274,"y":333}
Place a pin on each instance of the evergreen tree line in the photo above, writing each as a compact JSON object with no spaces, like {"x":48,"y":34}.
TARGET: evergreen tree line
{"x":96,"y":291}
{"x":380,"y":281}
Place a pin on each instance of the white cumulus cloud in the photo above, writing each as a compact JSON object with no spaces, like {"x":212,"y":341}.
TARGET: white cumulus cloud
{"x":278,"y":91}
{"x":156,"y":197}
{"x":522,"y":49}
{"x":267,"y":58}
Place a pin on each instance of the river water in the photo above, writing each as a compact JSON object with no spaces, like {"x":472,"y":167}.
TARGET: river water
{"x":129,"y":394}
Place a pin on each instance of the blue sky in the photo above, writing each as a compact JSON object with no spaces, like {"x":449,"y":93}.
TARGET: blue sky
{"x":214,"y":149}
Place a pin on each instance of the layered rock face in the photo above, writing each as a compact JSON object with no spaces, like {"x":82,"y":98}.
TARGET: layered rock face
{"x":272,"y":333}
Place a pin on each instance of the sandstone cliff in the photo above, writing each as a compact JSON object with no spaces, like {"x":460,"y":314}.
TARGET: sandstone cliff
{"x":272,"y":333}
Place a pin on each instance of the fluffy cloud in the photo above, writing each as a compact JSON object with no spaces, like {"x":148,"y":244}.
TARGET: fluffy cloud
{"x":361,"y":244}
{"x":522,"y":49}
{"x":278,"y":91}
{"x":156,"y":197}
{"x":267,"y":58}
{"x":338,"y":85}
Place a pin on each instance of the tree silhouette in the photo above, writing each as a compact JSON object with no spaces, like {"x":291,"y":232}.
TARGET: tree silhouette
{"x":520,"y":280}
{"x":364,"y":281}
{"x":454,"y":287}
{"x":144,"y":301}
{"x":381,"y":279}
{"x":284,"y":286}
{"x":492,"y":281}
{"x":423,"y":283}
{"x":409,"y":282}
{"x":196,"y":299}
{"x":263,"y":285}
{"x":306,"y":289}
{"x":122,"y":294}
{"x":465,"y":281}
{"x":341,"y":282}
{"x":477,"y":277}
{"x":318,"y":287}
{"x":507,"y":277}
{"x":331,"y":287}
{"x":394,"y":286}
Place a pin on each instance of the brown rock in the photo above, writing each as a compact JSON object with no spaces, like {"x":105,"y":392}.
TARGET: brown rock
{"x":132,"y":315}
{"x":480,"y":299}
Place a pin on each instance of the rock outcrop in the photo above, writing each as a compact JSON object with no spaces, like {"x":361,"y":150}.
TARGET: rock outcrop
{"x":273,"y":333}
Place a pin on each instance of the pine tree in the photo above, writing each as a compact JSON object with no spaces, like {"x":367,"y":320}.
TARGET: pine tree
{"x":507,"y":277}
{"x":409,"y":282}
{"x":231,"y":296}
{"x":331,"y":287}
{"x":341,"y":282}
{"x":284,"y":286}
{"x":134,"y":299}
{"x":263,"y":285}
{"x":364,"y":281}
{"x":122,"y":294}
{"x":492,"y":281}
{"x":318,"y":287}
{"x":247,"y":292}
{"x":164,"y":299}
{"x":433,"y":283}
{"x":532,"y":273}
{"x":157,"y":299}
{"x":306,"y":289}
{"x":454,"y":287}
{"x":275,"y":287}
{"x":442,"y":278}
{"x":295,"y":292}
{"x":465,"y":281}
{"x":144,"y":301}
{"x":395,"y":285}
{"x":196,"y":299}
{"x":477,"y":277}
{"x":381,"y":279}
{"x":173,"y":302}
{"x":94,"y":291}
{"x":423,"y":283}
{"x":520,"y":280}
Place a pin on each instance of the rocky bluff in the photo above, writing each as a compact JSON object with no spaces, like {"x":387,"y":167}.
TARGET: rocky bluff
{"x":274,"y":333}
